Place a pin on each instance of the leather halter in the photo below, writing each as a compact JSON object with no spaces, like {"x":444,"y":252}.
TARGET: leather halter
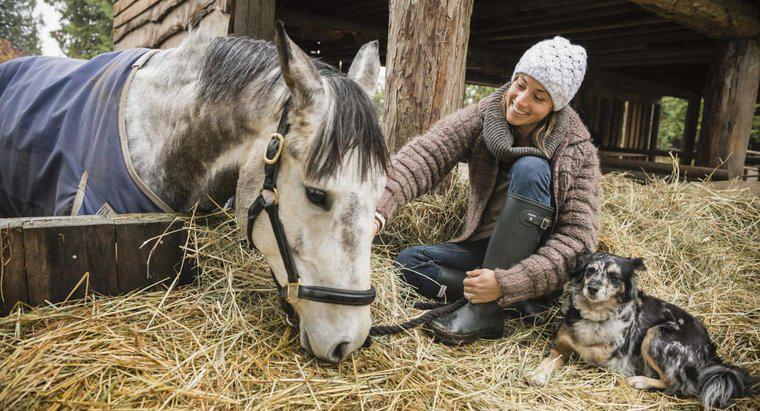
{"x":293,"y":290}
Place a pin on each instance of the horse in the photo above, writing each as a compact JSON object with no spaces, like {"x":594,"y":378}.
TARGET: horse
{"x":195,"y":126}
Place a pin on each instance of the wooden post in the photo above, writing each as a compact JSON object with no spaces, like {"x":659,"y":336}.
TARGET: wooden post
{"x":729,"y":105}
{"x":654,"y":132}
{"x":425,"y":65}
{"x":690,"y":131}
{"x":254,"y":18}
{"x":12,"y":265}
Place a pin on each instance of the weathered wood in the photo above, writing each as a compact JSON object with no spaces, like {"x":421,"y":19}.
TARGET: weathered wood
{"x":693,"y":172}
{"x":720,"y":19}
{"x":690,"y":130}
{"x":730,"y":99}
{"x":654,"y":131}
{"x":254,"y":18}
{"x":153,"y":34}
{"x":59,"y":253}
{"x":121,"y":5}
{"x":12,"y":265}
{"x":427,"y":45}
{"x":163,"y":17}
{"x":150,"y":251}
{"x":140,"y":7}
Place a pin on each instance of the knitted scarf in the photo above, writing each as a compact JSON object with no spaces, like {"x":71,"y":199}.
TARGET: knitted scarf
{"x":498,"y":135}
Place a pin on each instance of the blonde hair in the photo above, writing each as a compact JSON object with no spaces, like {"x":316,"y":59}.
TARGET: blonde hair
{"x":541,"y":132}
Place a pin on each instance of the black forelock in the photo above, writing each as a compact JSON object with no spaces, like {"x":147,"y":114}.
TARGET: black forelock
{"x":353,"y":126}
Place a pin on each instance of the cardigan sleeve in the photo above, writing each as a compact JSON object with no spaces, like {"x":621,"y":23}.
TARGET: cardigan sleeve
{"x":577,"y":228}
{"x":423,"y":162}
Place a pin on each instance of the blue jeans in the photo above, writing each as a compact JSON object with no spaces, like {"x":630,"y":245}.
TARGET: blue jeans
{"x":529,"y":177}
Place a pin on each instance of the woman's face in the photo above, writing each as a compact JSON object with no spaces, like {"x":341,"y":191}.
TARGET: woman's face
{"x":528,"y":103}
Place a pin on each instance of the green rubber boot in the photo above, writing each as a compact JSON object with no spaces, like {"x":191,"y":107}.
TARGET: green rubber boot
{"x":521,"y":224}
{"x":451,"y":280}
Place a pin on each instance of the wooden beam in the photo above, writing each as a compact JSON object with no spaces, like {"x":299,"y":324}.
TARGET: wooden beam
{"x":641,"y":86}
{"x":578,"y":27}
{"x":666,"y":169}
{"x":254,"y":18}
{"x":729,"y":105}
{"x":690,"y":130}
{"x":720,"y":19}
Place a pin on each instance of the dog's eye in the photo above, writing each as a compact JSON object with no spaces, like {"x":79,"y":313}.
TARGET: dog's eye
{"x":591,"y":269}
{"x":317,"y":197}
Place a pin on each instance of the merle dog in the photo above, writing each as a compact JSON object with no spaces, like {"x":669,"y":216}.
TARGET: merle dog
{"x":610,"y":323}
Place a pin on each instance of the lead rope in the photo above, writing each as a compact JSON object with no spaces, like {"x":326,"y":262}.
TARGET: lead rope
{"x":436,"y":310}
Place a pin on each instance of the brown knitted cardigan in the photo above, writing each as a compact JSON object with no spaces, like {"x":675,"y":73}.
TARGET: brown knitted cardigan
{"x":421,"y":164}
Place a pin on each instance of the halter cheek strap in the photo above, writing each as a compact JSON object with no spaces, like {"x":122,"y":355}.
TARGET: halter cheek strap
{"x":293,"y":290}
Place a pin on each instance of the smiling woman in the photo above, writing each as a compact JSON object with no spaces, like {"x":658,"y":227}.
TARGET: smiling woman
{"x":532,"y":166}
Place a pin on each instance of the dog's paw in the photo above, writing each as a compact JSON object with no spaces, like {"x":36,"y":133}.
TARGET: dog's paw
{"x":538,"y":377}
{"x":639,"y":382}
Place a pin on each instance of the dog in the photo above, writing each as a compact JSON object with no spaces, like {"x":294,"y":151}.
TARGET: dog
{"x":610,"y":323}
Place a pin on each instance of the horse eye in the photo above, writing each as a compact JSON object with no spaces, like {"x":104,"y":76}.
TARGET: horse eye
{"x":317,"y":197}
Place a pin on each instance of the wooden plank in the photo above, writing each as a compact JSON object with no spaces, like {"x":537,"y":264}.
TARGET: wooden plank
{"x":121,"y":5}
{"x":254,"y":18}
{"x":662,"y":168}
{"x":180,"y":11}
{"x":12,"y":265}
{"x":59,"y":253}
{"x":142,"y":9}
{"x":713,"y":18}
{"x":153,"y":33}
{"x":150,"y":251}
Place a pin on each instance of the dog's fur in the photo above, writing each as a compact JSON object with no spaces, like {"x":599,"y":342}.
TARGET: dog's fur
{"x":609,"y":323}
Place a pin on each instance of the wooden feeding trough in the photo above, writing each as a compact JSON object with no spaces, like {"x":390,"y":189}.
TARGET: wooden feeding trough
{"x":52,"y":259}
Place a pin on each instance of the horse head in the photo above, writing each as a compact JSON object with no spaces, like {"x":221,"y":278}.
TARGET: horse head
{"x":332,"y":170}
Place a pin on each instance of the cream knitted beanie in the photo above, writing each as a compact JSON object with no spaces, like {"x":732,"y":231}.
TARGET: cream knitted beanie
{"x":558,"y":65}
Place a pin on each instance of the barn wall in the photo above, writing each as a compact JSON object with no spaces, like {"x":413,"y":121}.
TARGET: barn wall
{"x":164,"y":23}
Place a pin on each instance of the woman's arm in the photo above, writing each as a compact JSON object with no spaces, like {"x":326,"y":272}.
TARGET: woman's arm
{"x":423,"y":162}
{"x":577,"y":228}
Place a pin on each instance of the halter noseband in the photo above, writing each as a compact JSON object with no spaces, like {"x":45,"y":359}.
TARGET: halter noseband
{"x":293,"y":290}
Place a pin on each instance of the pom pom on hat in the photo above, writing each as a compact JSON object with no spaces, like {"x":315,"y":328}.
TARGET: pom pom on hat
{"x":558,"y":65}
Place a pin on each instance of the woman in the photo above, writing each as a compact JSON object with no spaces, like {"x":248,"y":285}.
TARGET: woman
{"x":534,"y":181}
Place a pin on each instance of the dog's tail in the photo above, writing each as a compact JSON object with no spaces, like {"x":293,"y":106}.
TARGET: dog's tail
{"x":718,"y":383}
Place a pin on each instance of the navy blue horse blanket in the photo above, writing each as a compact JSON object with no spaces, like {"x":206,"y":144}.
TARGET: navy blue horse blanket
{"x":63,"y":148}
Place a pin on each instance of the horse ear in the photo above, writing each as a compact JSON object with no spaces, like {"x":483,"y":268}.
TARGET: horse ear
{"x":365,"y":68}
{"x":300,"y":75}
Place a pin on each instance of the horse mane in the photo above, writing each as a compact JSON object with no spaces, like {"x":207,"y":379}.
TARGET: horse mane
{"x":232,"y":64}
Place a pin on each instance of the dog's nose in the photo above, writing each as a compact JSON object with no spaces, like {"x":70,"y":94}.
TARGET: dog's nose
{"x":592,"y":289}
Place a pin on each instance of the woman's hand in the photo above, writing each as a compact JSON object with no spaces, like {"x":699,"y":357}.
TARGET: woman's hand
{"x":481,"y":286}
{"x":378,"y":226}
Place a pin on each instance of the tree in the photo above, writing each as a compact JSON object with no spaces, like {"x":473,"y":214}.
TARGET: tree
{"x":86,"y":27}
{"x":20,"y":26}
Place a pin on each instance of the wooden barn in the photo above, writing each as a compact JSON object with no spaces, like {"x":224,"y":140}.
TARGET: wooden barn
{"x":704,"y":51}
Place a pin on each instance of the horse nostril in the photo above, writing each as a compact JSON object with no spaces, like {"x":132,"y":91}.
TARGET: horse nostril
{"x":339,"y":352}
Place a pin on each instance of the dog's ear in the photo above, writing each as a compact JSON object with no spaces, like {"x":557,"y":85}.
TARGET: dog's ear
{"x":635,"y":266}
{"x":581,"y":262}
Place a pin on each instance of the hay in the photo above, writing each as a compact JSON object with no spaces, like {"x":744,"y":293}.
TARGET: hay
{"x":223,"y":342}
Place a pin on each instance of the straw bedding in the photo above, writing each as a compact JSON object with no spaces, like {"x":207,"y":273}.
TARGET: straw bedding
{"x":222,"y":342}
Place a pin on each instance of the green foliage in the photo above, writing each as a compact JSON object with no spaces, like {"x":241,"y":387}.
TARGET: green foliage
{"x":86,"y":27}
{"x":20,"y":26}
{"x":672,"y":120}
{"x":474,"y":93}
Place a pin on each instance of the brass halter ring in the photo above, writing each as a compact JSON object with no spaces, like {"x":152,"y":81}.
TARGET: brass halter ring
{"x":276,"y":157}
